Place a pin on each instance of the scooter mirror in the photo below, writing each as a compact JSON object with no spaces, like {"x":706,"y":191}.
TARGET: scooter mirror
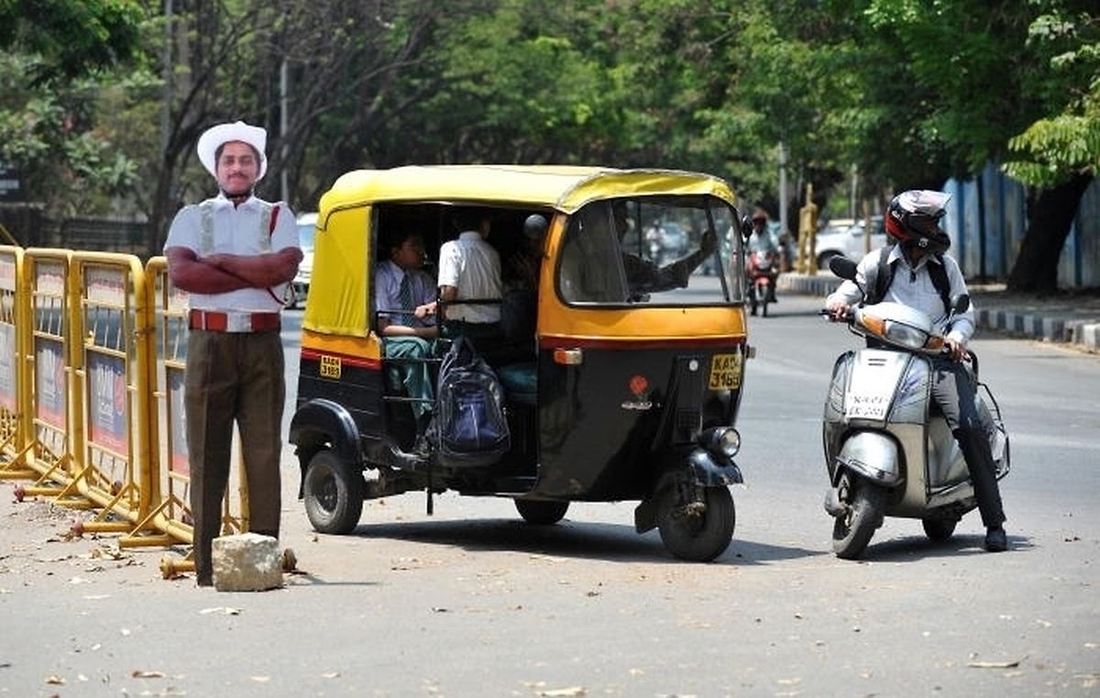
{"x":843,"y":267}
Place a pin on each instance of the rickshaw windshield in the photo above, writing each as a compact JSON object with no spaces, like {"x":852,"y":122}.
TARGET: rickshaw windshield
{"x":677,"y":250}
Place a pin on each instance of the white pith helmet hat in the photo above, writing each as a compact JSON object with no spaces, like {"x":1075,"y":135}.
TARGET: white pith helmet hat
{"x":215,"y":136}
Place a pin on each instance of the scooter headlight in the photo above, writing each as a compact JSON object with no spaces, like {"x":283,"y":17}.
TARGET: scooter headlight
{"x":722,"y":440}
{"x":905,"y":335}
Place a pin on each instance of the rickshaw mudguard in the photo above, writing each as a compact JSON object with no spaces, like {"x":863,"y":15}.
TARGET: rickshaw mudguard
{"x":707,"y":470}
{"x":704,"y":469}
{"x":321,"y":421}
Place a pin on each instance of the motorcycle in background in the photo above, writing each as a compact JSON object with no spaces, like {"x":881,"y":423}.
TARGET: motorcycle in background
{"x":888,"y":449}
{"x":762,"y":270}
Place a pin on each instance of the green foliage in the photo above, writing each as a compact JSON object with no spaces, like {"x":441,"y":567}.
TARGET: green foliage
{"x":52,"y":135}
{"x":1002,"y":80}
{"x":909,"y":92}
{"x":1063,"y":145}
{"x":73,"y":37}
{"x":964,"y":71}
{"x":1056,"y":149}
{"x":513,"y":89}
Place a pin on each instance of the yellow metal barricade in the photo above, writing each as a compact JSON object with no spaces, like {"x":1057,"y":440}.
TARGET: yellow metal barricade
{"x":173,"y":513}
{"x":53,"y":420}
{"x":15,"y":423}
{"x":93,"y":349}
{"x":111,"y":389}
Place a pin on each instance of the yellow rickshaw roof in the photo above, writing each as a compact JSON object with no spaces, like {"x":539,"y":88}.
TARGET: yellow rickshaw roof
{"x":344,"y":249}
{"x":563,"y":187}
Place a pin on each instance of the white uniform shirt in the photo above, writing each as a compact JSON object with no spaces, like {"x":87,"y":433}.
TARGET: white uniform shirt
{"x":237,"y":230}
{"x":912,"y":287}
{"x":471,"y":265}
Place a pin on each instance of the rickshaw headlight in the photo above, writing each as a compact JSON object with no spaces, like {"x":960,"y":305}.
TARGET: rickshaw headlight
{"x":722,"y":440}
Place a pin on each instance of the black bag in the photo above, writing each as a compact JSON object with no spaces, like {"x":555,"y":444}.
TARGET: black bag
{"x":469,"y":427}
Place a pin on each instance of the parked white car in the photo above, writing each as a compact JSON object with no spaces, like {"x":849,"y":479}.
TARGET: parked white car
{"x":844,"y":236}
{"x":299,"y":287}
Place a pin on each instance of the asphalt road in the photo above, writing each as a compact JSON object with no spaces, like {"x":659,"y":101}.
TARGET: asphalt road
{"x":472,"y":602}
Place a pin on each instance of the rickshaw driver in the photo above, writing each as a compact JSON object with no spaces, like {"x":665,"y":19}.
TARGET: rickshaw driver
{"x":644,"y":276}
{"x":521,"y":281}
{"x":403,"y":284}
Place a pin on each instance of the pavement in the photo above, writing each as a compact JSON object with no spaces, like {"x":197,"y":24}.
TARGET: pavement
{"x":1069,"y":317}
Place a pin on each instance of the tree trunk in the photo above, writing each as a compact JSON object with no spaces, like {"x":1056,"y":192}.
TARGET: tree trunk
{"x":1050,"y":214}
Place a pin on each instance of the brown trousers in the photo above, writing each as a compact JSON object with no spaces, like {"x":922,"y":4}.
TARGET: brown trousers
{"x":233,"y":377}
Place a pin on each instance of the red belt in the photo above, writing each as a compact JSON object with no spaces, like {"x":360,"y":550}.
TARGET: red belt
{"x":219,"y":321}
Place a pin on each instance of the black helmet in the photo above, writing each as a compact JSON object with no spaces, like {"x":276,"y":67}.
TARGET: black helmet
{"x":913,"y":219}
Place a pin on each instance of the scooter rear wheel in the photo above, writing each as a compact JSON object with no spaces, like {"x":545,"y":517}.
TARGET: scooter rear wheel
{"x":852,"y":531}
{"x":939,"y":530}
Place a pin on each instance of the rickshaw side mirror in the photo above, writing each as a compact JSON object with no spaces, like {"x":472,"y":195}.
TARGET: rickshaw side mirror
{"x":746,"y":228}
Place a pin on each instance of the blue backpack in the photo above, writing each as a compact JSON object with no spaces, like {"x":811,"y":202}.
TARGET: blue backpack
{"x":469,"y":427}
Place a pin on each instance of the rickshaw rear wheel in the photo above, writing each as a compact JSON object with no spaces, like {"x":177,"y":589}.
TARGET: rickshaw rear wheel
{"x":541,"y":512}
{"x":698,"y":531}
{"x":333,"y":494}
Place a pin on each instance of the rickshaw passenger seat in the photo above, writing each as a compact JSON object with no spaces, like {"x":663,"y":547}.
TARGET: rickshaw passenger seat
{"x":520,"y":382}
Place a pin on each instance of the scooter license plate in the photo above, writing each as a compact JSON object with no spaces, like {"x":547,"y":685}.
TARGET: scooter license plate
{"x":725,"y":372}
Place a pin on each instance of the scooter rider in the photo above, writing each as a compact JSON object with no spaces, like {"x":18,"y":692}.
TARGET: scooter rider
{"x":912,"y":220}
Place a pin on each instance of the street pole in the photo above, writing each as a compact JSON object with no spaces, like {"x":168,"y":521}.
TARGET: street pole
{"x":853,"y":196}
{"x":783,"y":188}
{"x":283,"y":121}
{"x":166,"y":110}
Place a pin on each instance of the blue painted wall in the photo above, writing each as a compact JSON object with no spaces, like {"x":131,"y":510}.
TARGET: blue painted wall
{"x":987,"y":219}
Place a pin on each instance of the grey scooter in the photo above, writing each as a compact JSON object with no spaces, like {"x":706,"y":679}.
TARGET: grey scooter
{"x":888,"y":450}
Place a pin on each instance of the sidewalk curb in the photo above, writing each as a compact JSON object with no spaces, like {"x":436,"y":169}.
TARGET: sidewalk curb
{"x":1082,"y":333}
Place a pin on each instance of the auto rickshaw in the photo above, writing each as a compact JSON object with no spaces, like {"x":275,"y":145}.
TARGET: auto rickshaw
{"x":625,"y":386}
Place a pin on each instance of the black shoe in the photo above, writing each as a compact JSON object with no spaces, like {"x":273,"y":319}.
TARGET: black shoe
{"x":996,"y":541}
{"x":204,"y":580}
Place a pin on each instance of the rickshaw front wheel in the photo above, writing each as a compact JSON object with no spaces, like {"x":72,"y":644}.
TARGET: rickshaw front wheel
{"x":541,"y":512}
{"x":698,"y":531}
{"x":333,"y":494}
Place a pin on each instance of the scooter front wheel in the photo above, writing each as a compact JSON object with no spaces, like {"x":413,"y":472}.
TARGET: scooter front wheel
{"x":853,"y":529}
